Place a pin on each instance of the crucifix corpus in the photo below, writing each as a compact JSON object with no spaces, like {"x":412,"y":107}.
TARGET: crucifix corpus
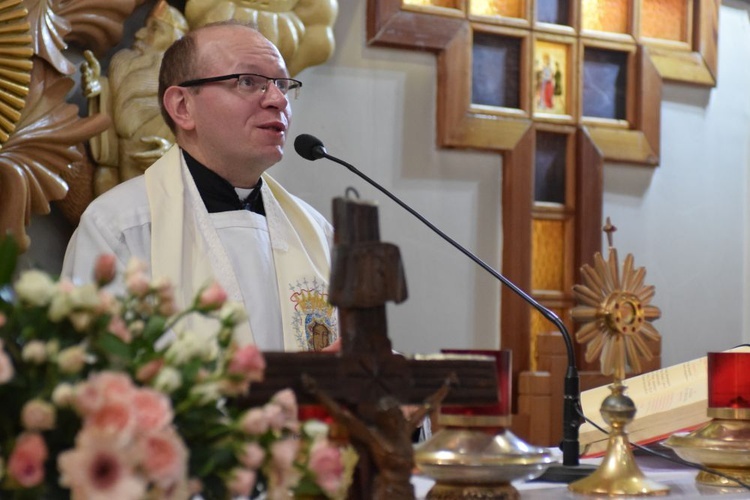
{"x":364,"y":385}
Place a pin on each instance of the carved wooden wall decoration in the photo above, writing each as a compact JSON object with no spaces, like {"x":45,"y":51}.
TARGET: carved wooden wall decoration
{"x":556,"y":87}
{"x":45,"y":152}
{"x":44,"y":157}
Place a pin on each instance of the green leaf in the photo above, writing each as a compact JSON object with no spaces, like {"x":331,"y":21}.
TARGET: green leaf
{"x":114,"y":346}
{"x":8,"y":259}
{"x":154,"y":328}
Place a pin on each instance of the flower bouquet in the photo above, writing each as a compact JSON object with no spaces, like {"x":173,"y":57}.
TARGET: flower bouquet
{"x":109,"y":396}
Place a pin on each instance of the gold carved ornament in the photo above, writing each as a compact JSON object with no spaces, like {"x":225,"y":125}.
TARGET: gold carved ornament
{"x":301,"y":29}
{"x":43,"y":158}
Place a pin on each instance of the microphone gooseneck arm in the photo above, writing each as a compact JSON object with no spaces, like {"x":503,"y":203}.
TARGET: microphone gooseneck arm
{"x":312,"y":149}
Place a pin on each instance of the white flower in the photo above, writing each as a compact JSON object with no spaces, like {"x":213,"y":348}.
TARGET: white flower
{"x":72,"y":359}
{"x":86,"y":297}
{"x":137,"y":327}
{"x":206,"y":392}
{"x":38,"y":415}
{"x":60,"y":306}
{"x":315,"y":428}
{"x":233,"y":312}
{"x":63,"y":395}
{"x":35,"y":351}
{"x":168,"y":380}
{"x":35,"y":288}
{"x":53,"y":347}
{"x":190,"y":345}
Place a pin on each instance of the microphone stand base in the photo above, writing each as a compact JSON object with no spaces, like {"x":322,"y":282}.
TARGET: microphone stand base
{"x":566,"y":473}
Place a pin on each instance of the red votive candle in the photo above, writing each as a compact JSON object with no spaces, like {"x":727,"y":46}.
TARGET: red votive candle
{"x":728,"y":380}
{"x":495,"y":415}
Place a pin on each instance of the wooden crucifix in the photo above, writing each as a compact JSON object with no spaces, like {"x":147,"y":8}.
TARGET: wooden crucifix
{"x":366,"y":376}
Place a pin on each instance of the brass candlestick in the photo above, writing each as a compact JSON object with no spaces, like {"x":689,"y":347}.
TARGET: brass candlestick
{"x":616,"y":313}
{"x":618,"y":473}
{"x":723,"y":444}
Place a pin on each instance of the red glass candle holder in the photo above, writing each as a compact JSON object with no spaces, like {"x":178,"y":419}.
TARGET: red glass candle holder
{"x":729,"y":385}
{"x":494,"y":416}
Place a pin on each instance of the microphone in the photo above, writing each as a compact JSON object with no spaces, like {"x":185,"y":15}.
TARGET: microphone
{"x":311,"y":148}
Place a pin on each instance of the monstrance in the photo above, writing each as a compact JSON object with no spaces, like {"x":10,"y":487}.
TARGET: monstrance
{"x":616,"y":313}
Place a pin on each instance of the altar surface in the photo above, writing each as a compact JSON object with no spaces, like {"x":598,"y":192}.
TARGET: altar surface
{"x":680,"y":479}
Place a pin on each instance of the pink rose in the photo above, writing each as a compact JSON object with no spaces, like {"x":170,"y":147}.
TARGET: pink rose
{"x":153,"y":410}
{"x":251,"y":455}
{"x":254,"y":422}
{"x":119,"y":329}
{"x":326,"y":464}
{"x":6,"y":367}
{"x":241,"y":482}
{"x":275,"y":416}
{"x":283,"y":453}
{"x":282,"y":473}
{"x":148,"y":371}
{"x":137,"y":284}
{"x":107,"y":303}
{"x":164,"y":458}
{"x":114,"y":417}
{"x":99,"y":468}
{"x":248,"y":362}
{"x":104,"y":269}
{"x":26,"y":462}
{"x":212,"y":297}
{"x":195,"y":486}
{"x":38,"y":415}
{"x":288,"y":403}
{"x":114,"y":385}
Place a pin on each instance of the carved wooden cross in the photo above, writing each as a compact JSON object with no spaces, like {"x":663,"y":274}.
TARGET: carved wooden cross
{"x":365,"y":274}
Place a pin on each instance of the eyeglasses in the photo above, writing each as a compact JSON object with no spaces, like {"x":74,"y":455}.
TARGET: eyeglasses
{"x":250,"y":83}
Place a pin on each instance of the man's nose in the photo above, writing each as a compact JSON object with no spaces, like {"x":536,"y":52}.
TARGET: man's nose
{"x":273,"y":96}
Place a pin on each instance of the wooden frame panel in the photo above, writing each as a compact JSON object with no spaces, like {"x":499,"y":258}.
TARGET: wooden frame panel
{"x":640,"y":144}
{"x":460,"y":125}
{"x":390,"y":23}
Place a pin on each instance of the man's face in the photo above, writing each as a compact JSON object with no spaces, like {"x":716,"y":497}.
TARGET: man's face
{"x":242,"y":130}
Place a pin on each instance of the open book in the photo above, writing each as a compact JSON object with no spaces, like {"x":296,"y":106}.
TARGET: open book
{"x":669,"y":400}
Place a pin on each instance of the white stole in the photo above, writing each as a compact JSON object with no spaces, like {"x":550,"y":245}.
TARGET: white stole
{"x":186,"y":249}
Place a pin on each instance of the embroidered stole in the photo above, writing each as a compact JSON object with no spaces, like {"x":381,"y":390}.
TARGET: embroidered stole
{"x":186,"y":249}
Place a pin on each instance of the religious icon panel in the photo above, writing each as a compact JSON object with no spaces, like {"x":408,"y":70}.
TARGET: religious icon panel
{"x":551,"y":78}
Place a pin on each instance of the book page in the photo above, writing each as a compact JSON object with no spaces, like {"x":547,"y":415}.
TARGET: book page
{"x":667,"y":401}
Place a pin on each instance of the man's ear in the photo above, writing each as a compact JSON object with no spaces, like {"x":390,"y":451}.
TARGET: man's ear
{"x":177,"y":104}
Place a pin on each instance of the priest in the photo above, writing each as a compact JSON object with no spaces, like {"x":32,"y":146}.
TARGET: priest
{"x":207,"y":210}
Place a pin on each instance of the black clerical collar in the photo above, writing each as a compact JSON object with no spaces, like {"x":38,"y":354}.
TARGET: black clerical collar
{"x":218,"y":194}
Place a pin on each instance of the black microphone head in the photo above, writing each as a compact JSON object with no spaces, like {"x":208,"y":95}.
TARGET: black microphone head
{"x":309,"y":147}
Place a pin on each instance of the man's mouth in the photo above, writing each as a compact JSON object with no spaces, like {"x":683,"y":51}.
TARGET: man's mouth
{"x":275,"y":127}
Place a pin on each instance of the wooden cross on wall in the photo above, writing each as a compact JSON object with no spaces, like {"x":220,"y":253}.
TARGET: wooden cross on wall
{"x":365,"y":274}
{"x":478,"y":40}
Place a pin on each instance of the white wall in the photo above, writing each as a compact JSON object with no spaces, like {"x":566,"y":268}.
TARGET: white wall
{"x":685,"y":221}
{"x":375,"y":108}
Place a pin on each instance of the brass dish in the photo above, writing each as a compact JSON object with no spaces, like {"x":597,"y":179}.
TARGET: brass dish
{"x":723,"y":445}
{"x":472,"y":456}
